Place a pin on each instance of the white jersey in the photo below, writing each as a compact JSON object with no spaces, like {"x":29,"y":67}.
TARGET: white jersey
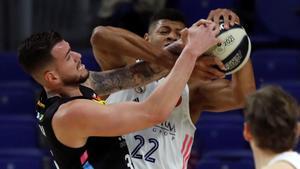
{"x":291,"y":157}
{"x":163,"y":146}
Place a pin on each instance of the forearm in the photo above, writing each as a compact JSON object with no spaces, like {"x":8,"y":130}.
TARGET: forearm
{"x":133,"y":46}
{"x":131,"y":76}
{"x":243,"y":82}
{"x":104,"y":39}
{"x":173,"y":85}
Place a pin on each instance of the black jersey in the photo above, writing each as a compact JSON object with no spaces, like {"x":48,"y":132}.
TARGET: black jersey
{"x":97,"y":153}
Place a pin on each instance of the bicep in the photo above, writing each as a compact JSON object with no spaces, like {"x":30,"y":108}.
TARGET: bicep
{"x":216,"y":96}
{"x":92,"y":119}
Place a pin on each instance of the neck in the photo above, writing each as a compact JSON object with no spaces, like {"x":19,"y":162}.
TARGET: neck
{"x":261,"y":157}
{"x":66,"y":91}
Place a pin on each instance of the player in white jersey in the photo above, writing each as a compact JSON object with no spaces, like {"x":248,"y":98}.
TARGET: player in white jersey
{"x":168,"y":145}
{"x":271,"y":128}
{"x":290,"y":159}
{"x":154,"y":146}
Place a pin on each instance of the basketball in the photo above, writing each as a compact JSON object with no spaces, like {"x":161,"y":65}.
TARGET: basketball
{"x":235,"y":49}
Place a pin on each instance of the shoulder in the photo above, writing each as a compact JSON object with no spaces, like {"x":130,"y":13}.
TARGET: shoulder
{"x":280,"y":165}
{"x":68,"y":122}
{"x":286,"y":160}
{"x":72,"y":110}
{"x":73,"y":105}
{"x":75,"y":114}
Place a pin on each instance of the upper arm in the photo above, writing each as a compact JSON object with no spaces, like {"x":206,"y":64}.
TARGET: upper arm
{"x":224,"y":95}
{"x":216,"y":96}
{"x":105,"y":57}
{"x":221,"y":94}
{"x":82,"y":118}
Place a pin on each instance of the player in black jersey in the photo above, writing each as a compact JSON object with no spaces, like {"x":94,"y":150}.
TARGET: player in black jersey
{"x":112,"y":150}
{"x":80,"y":130}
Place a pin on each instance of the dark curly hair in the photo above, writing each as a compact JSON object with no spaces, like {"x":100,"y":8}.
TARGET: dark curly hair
{"x":167,"y":13}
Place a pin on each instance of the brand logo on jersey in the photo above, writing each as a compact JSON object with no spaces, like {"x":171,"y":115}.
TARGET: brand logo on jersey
{"x":39,"y":116}
{"x":40,"y":104}
{"x":140,"y":89}
{"x":166,"y":128}
{"x":42,"y":130}
{"x":136,"y":99}
{"x":98,"y":99}
{"x":122,"y":141}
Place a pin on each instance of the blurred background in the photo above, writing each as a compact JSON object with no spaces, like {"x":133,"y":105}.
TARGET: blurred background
{"x":273,"y":27}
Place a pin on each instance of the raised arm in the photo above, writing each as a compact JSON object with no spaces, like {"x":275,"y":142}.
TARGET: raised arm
{"x":131,"y":47}
{"x":222,"y":95}
{"x":79,"y":119}
{"x":109,"y":56}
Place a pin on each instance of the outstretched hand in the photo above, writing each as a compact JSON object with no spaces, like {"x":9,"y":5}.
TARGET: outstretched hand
{"x":196,"y":24}
{"x":199,"y":39}
{"x":210,"y":67}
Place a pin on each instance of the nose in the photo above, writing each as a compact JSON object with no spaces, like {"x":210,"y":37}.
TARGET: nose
{"x":173,"y":36}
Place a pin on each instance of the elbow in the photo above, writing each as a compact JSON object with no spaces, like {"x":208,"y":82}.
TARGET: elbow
{"x":233,"y":104}
{"x":99,"y":34}
{"x":157,"y":114}
{"x":162,"y":116}
{"x":153,"y":120}
{"x":158,"y":118}
{"x":239,"y":102}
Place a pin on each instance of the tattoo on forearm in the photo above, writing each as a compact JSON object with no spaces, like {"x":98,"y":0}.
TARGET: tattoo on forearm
{"x":139,"y":74}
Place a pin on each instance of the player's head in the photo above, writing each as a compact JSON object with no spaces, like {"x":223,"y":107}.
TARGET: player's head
{"x":164,"y":27}
{"x":50,"y":60}
{"x":271,"y":120}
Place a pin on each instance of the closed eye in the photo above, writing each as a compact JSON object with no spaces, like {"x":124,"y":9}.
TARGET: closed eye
{"x":68,"y":54}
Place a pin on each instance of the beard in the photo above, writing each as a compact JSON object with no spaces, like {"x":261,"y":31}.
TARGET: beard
{"x":75,"y":81}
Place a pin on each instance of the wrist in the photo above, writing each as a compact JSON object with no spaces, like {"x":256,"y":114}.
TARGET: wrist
{"x":190,"y":52}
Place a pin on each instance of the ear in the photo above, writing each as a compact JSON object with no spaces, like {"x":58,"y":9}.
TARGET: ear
{"x":146,"y":37}
{"x":51,"y":77}
{"x":246,"y":132}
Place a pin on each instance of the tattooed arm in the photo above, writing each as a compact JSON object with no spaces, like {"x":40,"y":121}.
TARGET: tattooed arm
{"x":129,"y":45}
{"x":135,"y":75}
